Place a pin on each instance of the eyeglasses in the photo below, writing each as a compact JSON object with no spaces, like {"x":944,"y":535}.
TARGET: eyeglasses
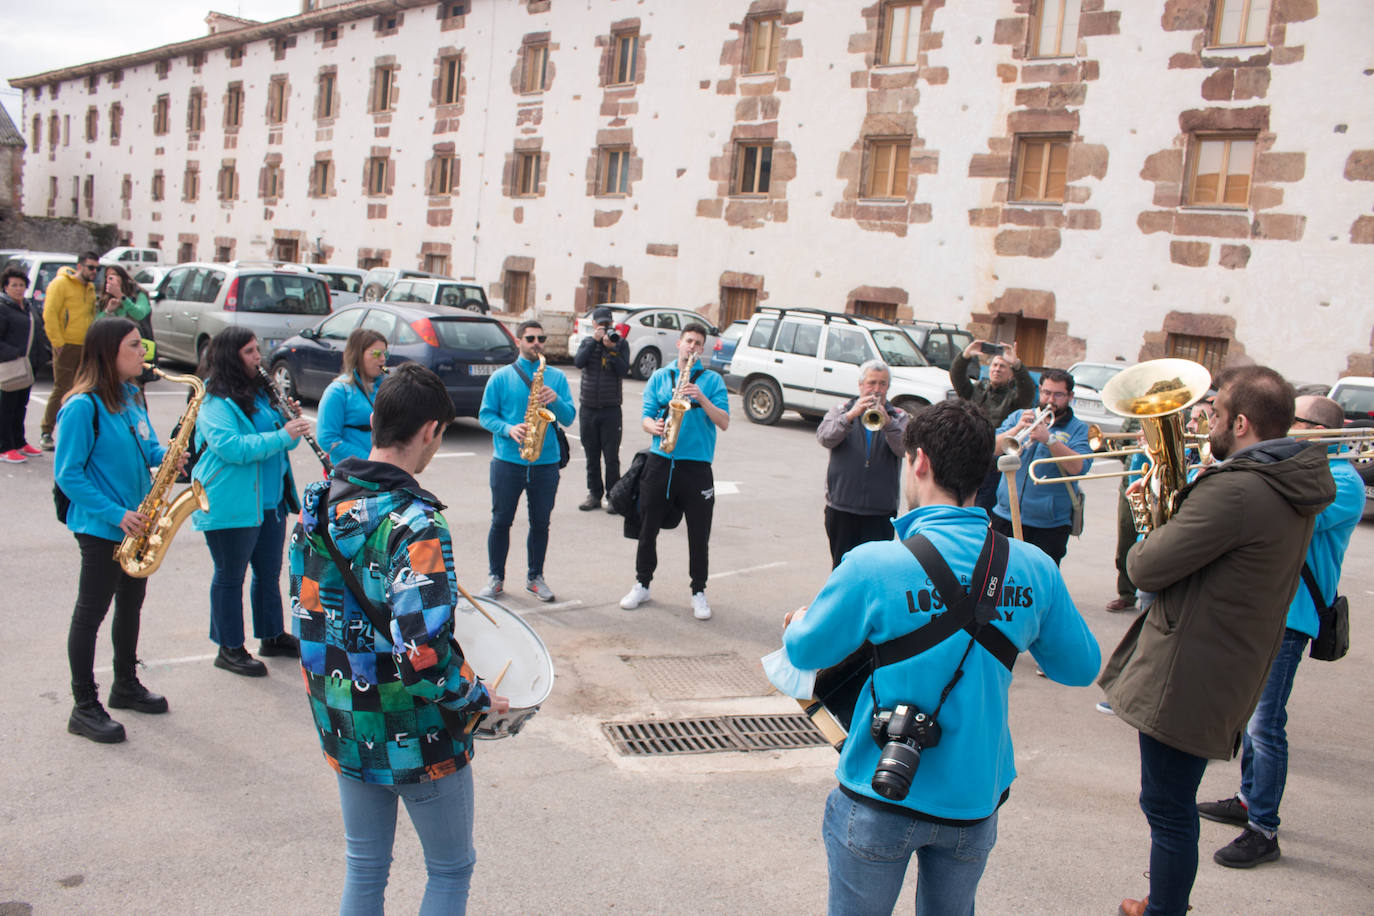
{"x":1307,"y":421}
{"x":531,"y":338}
{"x":1058,"y":395}
{"x":91,"y":267}
{"x":377,"y":354}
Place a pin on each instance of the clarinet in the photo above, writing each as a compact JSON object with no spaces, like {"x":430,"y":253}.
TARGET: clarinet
{"x":284,"y":407}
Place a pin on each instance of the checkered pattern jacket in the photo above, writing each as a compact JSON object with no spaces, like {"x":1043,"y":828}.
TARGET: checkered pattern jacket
{"x":373,"y":696}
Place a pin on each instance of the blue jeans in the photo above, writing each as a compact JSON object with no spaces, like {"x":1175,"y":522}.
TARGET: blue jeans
{"x":1168,"y":795}
{"x":233,"y":551}
{"x":508,"y":480}
{"x":440,"y":810}
{"x":869,"y":849}
{"x":1264,"y":747}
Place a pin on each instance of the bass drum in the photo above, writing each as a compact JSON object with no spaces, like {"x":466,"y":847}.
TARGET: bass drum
{"x":495,"y":639}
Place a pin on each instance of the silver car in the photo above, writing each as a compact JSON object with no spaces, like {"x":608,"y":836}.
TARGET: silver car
{"x":1088,"y":379}
{"x":652,"y":332}
{"x":196,"y":301}
{"x":345,"y":283}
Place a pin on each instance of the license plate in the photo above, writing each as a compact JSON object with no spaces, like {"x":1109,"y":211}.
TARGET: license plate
{"x":270,"y":343}
{"x":482,"y":369}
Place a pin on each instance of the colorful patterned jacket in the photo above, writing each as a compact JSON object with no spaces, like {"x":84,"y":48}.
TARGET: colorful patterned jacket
{"x":373,"y":696}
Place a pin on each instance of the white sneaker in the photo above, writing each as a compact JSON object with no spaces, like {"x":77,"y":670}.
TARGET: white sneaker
{"x":635,"y":597}
{"x":494,"y":588}
{"x":700,"y":609}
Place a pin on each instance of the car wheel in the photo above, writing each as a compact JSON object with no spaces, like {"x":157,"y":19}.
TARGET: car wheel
{"x":371,"y":294}
{"x":284,"y":379}
{"x":647,"y":363}
{"x":910,"y":405}
{"x":474,"y":305}
{"x":762,"y":401}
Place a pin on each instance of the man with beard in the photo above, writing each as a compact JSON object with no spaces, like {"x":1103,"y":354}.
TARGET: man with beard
{"x":1047,"y":509}
{"x":1225,"y":566}
{"x":1008,"y":388}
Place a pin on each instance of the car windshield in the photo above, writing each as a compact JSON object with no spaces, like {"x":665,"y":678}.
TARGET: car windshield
{"x":734,"y":331}
{"x":473,"y":336}
{"x":1094,"y":376}
{"x":283,"y":294}
{"x":343,"y":283}
{"x":47,"y":272}
{"x":455,"y":294}
{"x":896,"y":349}
{"x":1355,"y":400}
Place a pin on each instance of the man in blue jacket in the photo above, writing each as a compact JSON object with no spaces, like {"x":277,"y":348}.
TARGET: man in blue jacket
{"x":504,"y":403}
{"x":1046,"y":508}
{"x":881,"y":592}
{"x":680,"y":481}
{"x":1264,"y":747}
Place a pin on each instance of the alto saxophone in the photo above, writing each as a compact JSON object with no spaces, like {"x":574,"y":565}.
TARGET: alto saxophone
{"x":677,"y":409}
{"x":537,"y":418}
{"x":140,"y":555}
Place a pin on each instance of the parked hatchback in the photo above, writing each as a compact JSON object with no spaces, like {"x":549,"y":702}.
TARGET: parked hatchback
{"x":462,"y":348}
{"x":452,"y":293}
{"x":379,"y":279}
{"x":652,"y":332}
{"x":196,"y":301}
{"x":724,"y":349}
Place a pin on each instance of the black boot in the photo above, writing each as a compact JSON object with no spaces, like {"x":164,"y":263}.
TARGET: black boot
{"x":90,"y":720}
{"x":128,"y":693}
{"x":240,"y":661}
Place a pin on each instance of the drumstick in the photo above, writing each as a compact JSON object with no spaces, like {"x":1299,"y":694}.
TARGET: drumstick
{"x":473,"y":601}
{"x":497,"y":683}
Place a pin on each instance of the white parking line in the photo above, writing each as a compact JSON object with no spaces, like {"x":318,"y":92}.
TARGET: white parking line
{"x":748,"y":569}
{"x":454,"y":454}
{"x":183,"y":660}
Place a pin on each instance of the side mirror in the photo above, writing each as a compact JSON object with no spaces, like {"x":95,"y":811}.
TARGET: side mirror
{"x":310,"y":334}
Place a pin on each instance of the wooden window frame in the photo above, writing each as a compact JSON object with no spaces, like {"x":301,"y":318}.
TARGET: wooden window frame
{"x":450,"y":79}
{"x":911,"y":37}
{"x":195,"y":111}
{"x":1066,"y":10}
{"x":744,"y":174}
{"x":623,"y":72}
{"x":1201,"y":349}
{"x":762,"y":36}
{"x":92,"y":123}
{"x":116,"y":122}
{"x":613,"y":172}
{"x":894,"y":173}
{"x":516,"y":281}
{"x":158,"y":186}
{"x":233,"y":107}
{"x":443,"y":175}
{"x":378,"y":172}
{"x":227,"y":183}
{"x":737,"y":303}
{"x":535,"y":56}
{"x":1247,"y":11}
{"x":1224,"y":173}
{"x":162,"y":115}
{"x":527,"y":167}
{"x":321,"y":178}
{"x":873,"y":308}
{"x":1042,"y":193}
{"x":384,"y":82}
{"x":190,"y":184}
{"x":271,"y":181}
{"x":601,"y":290}
{"x":277,"y":94}
{"x":328,"y":86}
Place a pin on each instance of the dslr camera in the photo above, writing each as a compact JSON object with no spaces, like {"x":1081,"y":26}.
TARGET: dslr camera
{"x":903,"y":731}
{"x":611,"y":334}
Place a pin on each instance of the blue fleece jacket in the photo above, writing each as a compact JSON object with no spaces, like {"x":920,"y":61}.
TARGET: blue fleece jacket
{"x":1044,"y":505}
{"x":877,"y":594}
{"x":503,"y":406}
{"x":696,"y":441}
{"x":243,"y":464}
{"x":345,"y":421}
{"x":105,"y":474}
{"x":1326,"y":551}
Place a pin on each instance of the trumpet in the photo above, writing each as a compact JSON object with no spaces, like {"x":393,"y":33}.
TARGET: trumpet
{"x":1017,"y":443}
{"x":873,"y":419}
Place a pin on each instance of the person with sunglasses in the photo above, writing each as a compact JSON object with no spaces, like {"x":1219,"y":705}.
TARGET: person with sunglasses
{"x":345,"y":424}
{"x":504,"y":404}
{"x":68,"y":310}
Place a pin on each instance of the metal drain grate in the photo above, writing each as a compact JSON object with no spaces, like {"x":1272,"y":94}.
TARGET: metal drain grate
{"x":666,"y":737}
{"x":698,"y":677}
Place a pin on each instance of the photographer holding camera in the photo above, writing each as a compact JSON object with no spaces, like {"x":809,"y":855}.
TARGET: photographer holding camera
{"x":1008,"y":387}
{"x":604,"y":359}
{"x":928,"y":761}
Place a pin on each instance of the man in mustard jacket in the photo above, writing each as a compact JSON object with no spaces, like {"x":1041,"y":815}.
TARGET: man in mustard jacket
{"x":68,"y":310}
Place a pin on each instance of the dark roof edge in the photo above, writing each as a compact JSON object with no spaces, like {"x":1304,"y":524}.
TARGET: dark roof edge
{"x":277,"y":28}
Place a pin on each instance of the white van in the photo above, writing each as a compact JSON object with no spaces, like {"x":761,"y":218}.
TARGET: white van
{"x":131,"y":257}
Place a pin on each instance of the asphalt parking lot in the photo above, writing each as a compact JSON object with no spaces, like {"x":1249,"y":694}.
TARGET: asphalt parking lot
{"x":226,"y":804}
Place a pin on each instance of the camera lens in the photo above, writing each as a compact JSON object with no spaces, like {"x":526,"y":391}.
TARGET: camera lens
{"x":896,"y":767}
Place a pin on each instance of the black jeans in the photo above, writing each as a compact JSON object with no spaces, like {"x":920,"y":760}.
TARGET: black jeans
{"x":1125,"y":540}
{"x":690,"y":487}
{"x":600,"y":430}
{"x":1053,"y":541}
{"x":13,"y":406}
{"x":847,"y":530}
{"x":102,"y":580}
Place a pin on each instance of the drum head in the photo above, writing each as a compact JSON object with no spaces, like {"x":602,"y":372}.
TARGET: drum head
{"x":489,"y":640}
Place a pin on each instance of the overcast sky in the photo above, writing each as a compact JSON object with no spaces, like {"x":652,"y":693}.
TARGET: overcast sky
{"x":59,"y":33}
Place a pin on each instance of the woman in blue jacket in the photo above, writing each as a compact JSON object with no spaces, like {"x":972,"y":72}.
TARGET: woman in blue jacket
{"x":345,"y":429}
{"x":105,"y":447}
{"x":244,"y":468}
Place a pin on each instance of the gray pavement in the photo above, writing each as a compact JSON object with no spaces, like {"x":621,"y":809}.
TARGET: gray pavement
{"x":226,"y":804}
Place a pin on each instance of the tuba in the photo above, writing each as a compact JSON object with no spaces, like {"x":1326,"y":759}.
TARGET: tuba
{"x":677,"y":409}
{"x":141,"y":555}
{"x":537,"y":418}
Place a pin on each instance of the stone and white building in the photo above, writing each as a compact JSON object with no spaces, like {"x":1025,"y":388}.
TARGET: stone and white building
{"x":1098,"y":179}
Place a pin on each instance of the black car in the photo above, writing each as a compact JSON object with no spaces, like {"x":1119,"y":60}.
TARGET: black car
{"x":463,"y":349}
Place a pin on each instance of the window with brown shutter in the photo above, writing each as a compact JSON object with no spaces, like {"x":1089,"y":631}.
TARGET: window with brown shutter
{"x":1041,"y":168}
{"x":1219,"y":170}
{"x":1054,"y":28}
{"x":889,"y":166}
{"x":901,"y":32}
{"x":761,"y":37}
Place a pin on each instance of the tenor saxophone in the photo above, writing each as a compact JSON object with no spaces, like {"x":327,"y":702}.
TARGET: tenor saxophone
{"x":537,"y":418}
{"x":141,"y":555}
{"x":677,"y":409}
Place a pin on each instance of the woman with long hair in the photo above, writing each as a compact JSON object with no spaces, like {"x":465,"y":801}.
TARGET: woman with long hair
{"x":246,"y":473}
{"x":121,"y":297}
{"x":345,"y":429}
{"x":105,"y":448}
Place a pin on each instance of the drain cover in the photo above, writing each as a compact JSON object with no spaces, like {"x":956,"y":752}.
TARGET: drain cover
{"x":665,"y":737}
{"x":698,"y":677}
